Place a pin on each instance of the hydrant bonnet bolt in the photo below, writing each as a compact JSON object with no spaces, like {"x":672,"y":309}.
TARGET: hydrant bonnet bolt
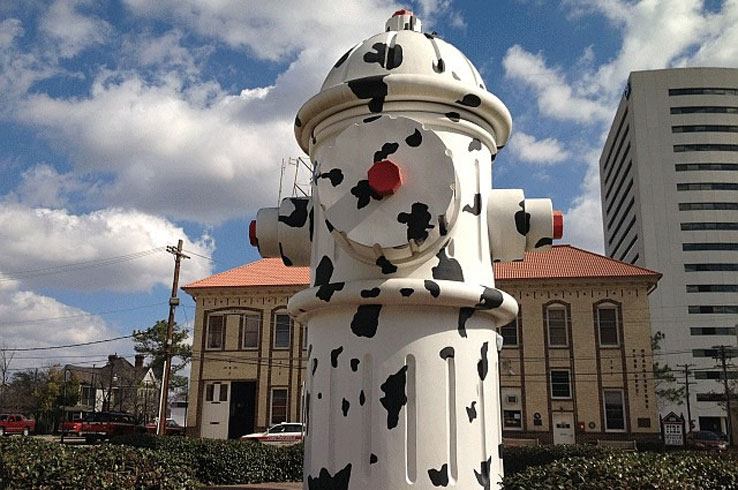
{"x":385,"y":177}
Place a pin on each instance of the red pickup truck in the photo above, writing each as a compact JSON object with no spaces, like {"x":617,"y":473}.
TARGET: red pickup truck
{"x":15,"y":423}
{"x":104,"y":425}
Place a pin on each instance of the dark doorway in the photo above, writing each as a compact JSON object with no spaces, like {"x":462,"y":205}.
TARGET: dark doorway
{"x":243,"y":409}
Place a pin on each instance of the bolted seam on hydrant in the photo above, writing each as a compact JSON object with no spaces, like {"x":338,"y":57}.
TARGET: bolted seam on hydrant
{"x":400,"y":232}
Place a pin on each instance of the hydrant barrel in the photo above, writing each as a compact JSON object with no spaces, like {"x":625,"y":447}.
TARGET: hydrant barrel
{"x":402,"y":383}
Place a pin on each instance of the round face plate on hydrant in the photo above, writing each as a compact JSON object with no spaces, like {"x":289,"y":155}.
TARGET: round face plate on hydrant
{"x":395,"y":153}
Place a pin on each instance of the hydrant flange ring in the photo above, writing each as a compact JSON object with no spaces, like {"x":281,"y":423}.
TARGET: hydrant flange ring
{"x":491,"y":301}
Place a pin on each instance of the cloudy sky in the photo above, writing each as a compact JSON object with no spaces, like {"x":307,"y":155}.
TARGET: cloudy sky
{"x":129,"y":124}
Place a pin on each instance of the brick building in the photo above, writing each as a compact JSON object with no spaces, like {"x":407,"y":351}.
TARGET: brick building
{"x":577,"y":364}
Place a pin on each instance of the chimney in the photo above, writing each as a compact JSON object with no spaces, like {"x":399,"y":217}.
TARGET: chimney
{"x":139,"y":360}
{"x":112,"y":358}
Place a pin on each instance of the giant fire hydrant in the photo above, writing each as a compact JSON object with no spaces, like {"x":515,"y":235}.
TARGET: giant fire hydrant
{"x":400,"y":232}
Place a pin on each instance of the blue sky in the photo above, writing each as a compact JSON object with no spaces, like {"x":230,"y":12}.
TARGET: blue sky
{"x":126,"y":125}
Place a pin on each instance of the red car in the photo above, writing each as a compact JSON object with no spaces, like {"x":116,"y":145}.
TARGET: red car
{"x":15,"y":423}
{"x":71,"y":428}
{"x":104,"y":425}
{"x":171,"y":428}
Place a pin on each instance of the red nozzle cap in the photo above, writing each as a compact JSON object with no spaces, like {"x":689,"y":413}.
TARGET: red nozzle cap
{"x":252,"y":234}
{"x":403,"y":12}
{"x":558,"y":230}
{"x":385,"y":177}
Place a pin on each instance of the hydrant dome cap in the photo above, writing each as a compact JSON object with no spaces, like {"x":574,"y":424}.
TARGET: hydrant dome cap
{"x":403,"y":65}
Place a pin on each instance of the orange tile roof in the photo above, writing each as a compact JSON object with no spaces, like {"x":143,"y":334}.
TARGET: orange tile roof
{"x":568,"y":262}
{"x":264,"y":272}
{"x":561,"y":262}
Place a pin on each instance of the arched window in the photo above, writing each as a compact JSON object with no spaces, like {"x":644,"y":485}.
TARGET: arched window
{"x":607,"y":318}
{"x":556,"y":325}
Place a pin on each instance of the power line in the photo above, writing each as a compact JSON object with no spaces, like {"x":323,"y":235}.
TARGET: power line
{"x":75,"y":266}
{"x":67,"y":346}
{"x":109,"y":312}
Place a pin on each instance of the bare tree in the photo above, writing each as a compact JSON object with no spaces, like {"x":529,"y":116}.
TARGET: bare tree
{"x":6,"y":358}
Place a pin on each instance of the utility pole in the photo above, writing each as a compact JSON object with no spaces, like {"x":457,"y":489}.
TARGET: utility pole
{"x":173,"y":302}
{"x":686,"y":384}
{"x":723,"y":356}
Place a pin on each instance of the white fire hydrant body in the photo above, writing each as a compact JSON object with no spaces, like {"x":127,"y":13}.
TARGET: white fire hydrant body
{"x":402,"y":387}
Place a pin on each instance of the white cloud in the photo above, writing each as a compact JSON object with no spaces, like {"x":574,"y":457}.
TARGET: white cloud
{"x":545,"y":151}
{"x":42,"y":240}
{"x":42,"y":185}
{"x":28,"y":320}
{"x":169,"y":154}
{"x":71,"y":30}
{"x":10,"y":29}
{"x":583,"y":219}
{"x":556,"y":97}
{"x":270,"y":30}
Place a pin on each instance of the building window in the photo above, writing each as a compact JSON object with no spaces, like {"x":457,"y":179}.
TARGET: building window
{"x":704,"y":110}
{"x":706,"y":128}
{"x":607,"y":325}
{"x":708,"y":206}
{"x":715,"y":375}
{"x":512,"y":419}
{"x":509,"y":334}
{"x":712,"y":288}
{"x":713,"y":331}
{"x":560,"y":384}
{"x":556,"y":324}
{"x":304,"y":337}
{"x":705,"y":147}
{"x":282,"y":325}
{"x":705,"y":353}
{"x":614,"y":410}
{"x":698,"y":247}
{"x":713,"y":225}
{"x":709,"y":309}
{"x":708,"y":186}
{"x":695,"y":167}
{"x":710,"y":267}
{"x":216,"y":392}
{"x":278,"y":410}
{"x":216,"y":330}
{"x":703,"y":91}
{"x":251,"y":326}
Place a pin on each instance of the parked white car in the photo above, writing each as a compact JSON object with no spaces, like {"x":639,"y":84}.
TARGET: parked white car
{"x":282,"y":434}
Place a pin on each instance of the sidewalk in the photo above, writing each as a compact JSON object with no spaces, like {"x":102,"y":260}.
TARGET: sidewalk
{"x":259,"y":486}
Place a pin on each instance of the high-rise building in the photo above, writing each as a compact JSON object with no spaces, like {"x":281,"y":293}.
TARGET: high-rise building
{"x":669,"y":183}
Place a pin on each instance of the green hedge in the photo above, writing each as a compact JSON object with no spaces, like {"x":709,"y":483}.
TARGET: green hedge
{"x":517,"y":459}
{"x":223,"y":462}
{"x":631,"y":471}
{"x":30,"y":463}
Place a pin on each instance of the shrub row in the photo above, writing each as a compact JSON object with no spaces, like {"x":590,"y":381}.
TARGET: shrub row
{"x":30,"y":463}
{"x":226,"y":462}
{"x":630,"y":471}
{"x":517,"y":459}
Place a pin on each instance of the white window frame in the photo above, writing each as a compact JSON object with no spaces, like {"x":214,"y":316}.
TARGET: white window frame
{"x":550,"y":381}
{"x":520,"y":418}
{"x":244,"y":322}
{"x":613,"y":308}
{"x":271,"y":404}
{"x":222,"y":333}
{"x":217,"y":388}
{"x":622,"y":405}
{"x":274,"y":332}
{"x":557,"y":307}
